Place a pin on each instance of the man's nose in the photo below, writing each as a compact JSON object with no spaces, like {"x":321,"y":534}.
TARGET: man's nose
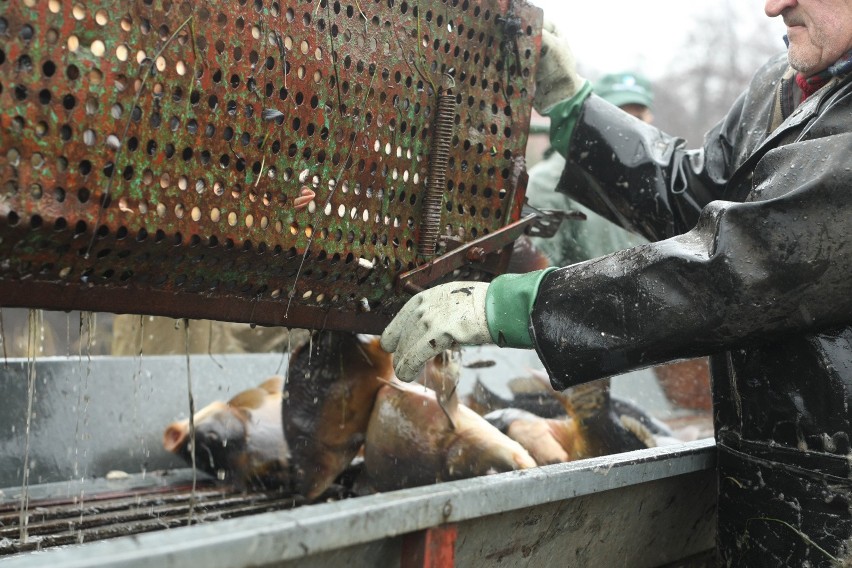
{"x":775,"y":7}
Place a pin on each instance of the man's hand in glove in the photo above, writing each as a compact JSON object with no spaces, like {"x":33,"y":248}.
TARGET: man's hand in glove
{"x":556,"y":78}
{"x":462,"y":313}
{"x":435,"y":320}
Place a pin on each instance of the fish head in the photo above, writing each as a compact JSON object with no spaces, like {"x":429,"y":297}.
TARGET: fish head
{"x":220,"y":436}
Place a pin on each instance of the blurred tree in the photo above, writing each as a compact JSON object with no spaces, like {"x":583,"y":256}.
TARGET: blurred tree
{"x":723,"y":50}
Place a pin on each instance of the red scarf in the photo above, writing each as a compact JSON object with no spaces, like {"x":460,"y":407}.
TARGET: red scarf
{"x":810,"y":85}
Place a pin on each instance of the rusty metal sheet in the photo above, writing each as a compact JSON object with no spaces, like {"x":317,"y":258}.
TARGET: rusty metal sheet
{"x":151,"y":151}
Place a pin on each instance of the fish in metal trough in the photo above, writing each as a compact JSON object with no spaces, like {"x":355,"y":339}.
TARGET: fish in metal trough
{"x":593,"y":425}
{"x":417,"y":436}
{"x":332,"y":385}
{"x":240,"y":441}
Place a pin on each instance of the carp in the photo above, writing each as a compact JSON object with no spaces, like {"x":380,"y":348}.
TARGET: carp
{"x":417,"y":437}
{"x":331,"y":389}
{"x":594,"y":425}
{"x":240,"y":441}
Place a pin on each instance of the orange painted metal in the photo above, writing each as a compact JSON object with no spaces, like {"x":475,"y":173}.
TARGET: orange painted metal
{"x":431,"y":548}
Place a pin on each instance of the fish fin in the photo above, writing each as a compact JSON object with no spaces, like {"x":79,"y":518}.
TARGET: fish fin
{"x":484,"y":400}
{"x":527,"y":257}
{"x":639,"y":430}
{"x":393,"y":383}
{"x":273,"y":385}
{"x":588,"y":400}
{"x":537,"y":437}
{"x":367,"y":338}
{"x":565,"y":398}
{"x":175,"y":435}
{"x":249,"y":399}
{"x":364,"y":355}
{"x":568,"y":434}
{"x":539,"y":375}
{"x":532,"y":384}
{"x":450,"y":408}
{"x":370,"y":348}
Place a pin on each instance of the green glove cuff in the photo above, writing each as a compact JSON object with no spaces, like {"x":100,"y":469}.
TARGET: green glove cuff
{"x":508,"y":305}
{"x":563,"y":118}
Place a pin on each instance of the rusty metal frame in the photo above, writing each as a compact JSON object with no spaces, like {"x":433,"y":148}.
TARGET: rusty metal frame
{"x":152,"y":152}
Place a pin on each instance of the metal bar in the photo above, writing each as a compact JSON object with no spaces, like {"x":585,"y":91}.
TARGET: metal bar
{"x":261,"y":310}
{"x":57,"y":518}
{"x":101,"y":519}
{"x":463,"y":254}
{"x":284,"y":535}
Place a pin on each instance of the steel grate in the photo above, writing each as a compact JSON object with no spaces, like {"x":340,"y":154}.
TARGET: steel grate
{"x":151,"y":151}
{"x":58,"y":522}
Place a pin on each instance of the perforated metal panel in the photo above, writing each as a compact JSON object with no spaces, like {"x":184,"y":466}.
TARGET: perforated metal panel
{"x":152,"y":152}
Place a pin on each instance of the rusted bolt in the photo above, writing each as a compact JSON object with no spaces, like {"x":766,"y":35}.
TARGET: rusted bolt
{"x":476,"y":254}
{"x":448,"y":510}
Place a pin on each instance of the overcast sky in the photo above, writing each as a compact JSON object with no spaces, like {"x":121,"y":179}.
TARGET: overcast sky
{"x":641,"y":35}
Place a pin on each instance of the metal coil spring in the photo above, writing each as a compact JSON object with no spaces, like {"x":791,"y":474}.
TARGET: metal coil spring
{"x":442,"y":135}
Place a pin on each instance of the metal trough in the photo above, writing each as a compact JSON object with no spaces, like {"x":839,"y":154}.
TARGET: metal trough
{"x":647,"y":508}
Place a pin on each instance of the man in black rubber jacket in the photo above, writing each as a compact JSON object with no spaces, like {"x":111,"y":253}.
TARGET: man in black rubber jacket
{"x":751,"y":263}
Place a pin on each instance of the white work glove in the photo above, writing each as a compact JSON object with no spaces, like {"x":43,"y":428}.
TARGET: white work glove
{"x":556,"y":77}
{"x":435,"y":320}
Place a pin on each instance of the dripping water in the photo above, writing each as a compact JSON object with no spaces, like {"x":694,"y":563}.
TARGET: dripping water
{"x":68,"y":335}
{"x":285,"y":353}
{"x":310,"y":355}
{"x":210,"y":345}
{"x":87,"y":323}
{"x":3,"y":340}
{"x":137,"y":377}
{"x":191,"y":422}
{"x":34,"y":318}
{"x":91,"y":333}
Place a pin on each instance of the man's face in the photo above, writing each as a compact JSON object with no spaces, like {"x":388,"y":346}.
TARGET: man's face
{"x":820,"y":31}
{"x":641,"y":112}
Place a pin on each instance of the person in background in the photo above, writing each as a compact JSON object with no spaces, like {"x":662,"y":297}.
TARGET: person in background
{"x":749,"y":262}
{"x":29,"y":333}
{"x":158,"y":335}
{"x":579,"y":240}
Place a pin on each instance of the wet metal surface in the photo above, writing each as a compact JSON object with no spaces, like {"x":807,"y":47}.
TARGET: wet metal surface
{"x":91,"y":416}
{"x":153,"y":149}
{"x":642,"y":526}
{"x":296,"y":535}
{"x":57,"y":522}
{"x":473,"y":255}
